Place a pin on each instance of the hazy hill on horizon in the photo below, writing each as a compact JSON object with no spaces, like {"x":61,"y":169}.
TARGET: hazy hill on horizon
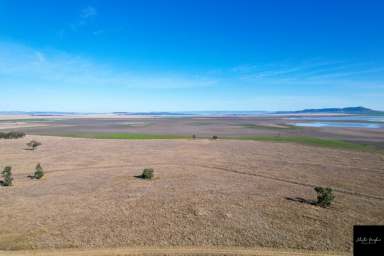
{"x":347,"y":110}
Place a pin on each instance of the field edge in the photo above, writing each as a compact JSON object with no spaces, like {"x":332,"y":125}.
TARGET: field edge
{"x":262,"y":251}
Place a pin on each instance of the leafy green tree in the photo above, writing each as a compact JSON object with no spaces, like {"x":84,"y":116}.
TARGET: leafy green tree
{"x":7,"y":175}
{"x":324,"y":196}
{"x":11,"y":135}
{"x":148,"y":173}
{"x":39,"y":172}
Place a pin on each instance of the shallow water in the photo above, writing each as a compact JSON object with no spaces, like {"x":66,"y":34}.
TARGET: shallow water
{"x":341,"y":124}
{"x":341,"y":118}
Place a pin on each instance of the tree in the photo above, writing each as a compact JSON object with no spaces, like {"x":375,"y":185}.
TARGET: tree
{"x":39,"y":172}
{"x":324,"y":196}
{"x":7,"y":175}
{"x":33,"y":144}
{"x":147,"y":174}
{"x":11,"y":135}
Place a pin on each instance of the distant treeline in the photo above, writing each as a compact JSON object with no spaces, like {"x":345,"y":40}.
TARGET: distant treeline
{"x":11,"y":135}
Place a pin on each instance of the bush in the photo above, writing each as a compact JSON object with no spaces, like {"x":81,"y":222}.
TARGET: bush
{"x":7,"y":175}
{"x":324,"y":196}
{"x":11,"y":135}
{"x":214,"y":137}
{"x":193,"y":136}
{"x":147,"y":174}
{"x":39,"y":172}
{"x":33,"y":144}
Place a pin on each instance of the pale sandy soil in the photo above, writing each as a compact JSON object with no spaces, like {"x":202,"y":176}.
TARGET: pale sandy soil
{"x":78,"y":116}
{"x":16,"y":117}
{"x":223,"y":193}
{"x":16,"y":125}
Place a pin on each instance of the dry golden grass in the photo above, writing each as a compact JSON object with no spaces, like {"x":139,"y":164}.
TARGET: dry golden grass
{"x":206,"y":193}
{"x":186,"y":251}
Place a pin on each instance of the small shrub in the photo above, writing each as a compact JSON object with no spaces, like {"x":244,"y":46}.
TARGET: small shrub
{"x":193,"y":136}
{"x":214,"y":137}
{"x":33,"y":144}
{"x":147,"y":174}
{"x":39,"y":172}
{"x":324,"y":196}
{"x":11,"y":135}
{"x":7,"y":175}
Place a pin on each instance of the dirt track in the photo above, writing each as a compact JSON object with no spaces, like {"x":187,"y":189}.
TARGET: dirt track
{"x":206,"y":193}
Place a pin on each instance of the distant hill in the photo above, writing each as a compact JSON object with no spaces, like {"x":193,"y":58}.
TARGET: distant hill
{"x":348,"y":110}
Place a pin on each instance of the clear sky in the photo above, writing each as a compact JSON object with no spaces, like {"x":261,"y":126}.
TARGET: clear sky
{"x":102,"y":56}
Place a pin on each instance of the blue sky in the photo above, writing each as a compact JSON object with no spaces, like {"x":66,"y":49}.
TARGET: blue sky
{"x":102,"y":56}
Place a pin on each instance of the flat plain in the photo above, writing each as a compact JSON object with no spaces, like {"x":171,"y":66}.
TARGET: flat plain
{"x":140,"y":127}
{"x":251,"y":188}
{"x":224,"y":193}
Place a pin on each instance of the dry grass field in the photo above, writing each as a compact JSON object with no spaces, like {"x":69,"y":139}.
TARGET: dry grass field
{"x":224,"y":193}
{"x":175,"y":251}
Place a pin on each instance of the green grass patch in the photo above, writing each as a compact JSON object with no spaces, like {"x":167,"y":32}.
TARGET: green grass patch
{"x":127,"y":136}
{"x":202,"y":123}
{"x":313,"y":141}
{"x":305,"y":140}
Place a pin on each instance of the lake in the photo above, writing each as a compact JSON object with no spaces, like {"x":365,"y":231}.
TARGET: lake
{"x":341,"y":124}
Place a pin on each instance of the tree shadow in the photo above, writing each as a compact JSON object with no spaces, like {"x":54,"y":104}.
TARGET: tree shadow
{"x":301,"y":200}
{"x":141,"y":177}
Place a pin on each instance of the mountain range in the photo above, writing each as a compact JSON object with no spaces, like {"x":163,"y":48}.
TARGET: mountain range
{"x":348,"y":110}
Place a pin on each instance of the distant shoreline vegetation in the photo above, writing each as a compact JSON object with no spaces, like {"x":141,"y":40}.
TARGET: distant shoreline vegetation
{"x":11,"y":135}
